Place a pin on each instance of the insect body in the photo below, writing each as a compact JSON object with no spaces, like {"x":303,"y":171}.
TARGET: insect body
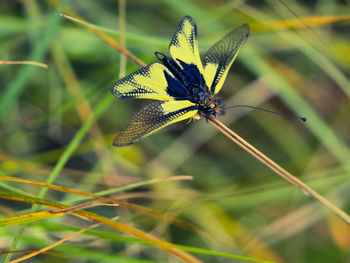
{"x":183,"y":86}
{"x":189,"y":84}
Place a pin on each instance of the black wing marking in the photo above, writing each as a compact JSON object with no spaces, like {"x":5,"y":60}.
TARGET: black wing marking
{"x":184,"y":46}
{"x":148,"y":82}
{"x":154,"y":117}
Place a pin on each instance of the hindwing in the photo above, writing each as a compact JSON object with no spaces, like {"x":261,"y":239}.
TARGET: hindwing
{"x":153,"y":117}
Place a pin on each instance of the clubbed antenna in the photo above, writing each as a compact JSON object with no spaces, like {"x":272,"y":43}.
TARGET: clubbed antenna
{"x":257,"y":108}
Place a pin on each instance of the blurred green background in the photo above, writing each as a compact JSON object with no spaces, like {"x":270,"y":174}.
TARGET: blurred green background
{"x":57,"y":125}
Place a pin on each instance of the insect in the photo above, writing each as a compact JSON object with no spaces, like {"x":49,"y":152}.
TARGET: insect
{"x":183,"y":87}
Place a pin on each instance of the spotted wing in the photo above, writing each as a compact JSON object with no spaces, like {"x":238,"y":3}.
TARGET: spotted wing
{"x":219,"y":58}
{"x":154,"y":117}
{"x":146,"y":83}
{"x":183,"y":47}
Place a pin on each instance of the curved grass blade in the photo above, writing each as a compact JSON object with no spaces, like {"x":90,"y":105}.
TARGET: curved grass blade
{"x":107,"y":39}
{"x":87,"y":215}
{"x":64,"y":209}
{"x":300,"y":22}
{"x":62,"y":240}
{"x":11,"y":92}
{"x":33,"y":63}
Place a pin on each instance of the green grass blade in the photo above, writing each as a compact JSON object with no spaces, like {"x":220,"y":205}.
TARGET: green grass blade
{"x":14,"y":89}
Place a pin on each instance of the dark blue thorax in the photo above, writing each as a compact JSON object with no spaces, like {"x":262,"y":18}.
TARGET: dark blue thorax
{"x":187,"y":83}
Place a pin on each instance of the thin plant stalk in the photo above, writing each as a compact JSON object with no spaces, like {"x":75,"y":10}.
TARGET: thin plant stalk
{"x":33,"y":63}
{"x":276,"y":168}
{"x":236,"y":138}
{"x":108,"y":40}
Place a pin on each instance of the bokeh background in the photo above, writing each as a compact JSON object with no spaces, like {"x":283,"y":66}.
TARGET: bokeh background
{"x":57,"y":126}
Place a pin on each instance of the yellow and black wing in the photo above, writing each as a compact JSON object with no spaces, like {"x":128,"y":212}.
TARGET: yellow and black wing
{"x":154,"y":117}
{"x":219,"y":58}
{"x":184,"y":45}
{"x":148,"y":82}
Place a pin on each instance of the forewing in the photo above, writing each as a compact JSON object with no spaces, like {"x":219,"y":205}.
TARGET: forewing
{"x":184,"y":46}
{"x":146,"y":83}
{"x":219,"y":58}
{"x":154,"y":117}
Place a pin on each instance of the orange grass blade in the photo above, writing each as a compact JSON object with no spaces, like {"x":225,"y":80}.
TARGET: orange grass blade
{"x":110,"y":41}
{"x":99,"y":196}
{"x":64,"y":209}
{"x":55,"y":244}
{"x":300,"y":22}
{"x":89,"y":195}
{"x":276,"y":168}
{"x":91,"y":216}
{"x":153,"y":213}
